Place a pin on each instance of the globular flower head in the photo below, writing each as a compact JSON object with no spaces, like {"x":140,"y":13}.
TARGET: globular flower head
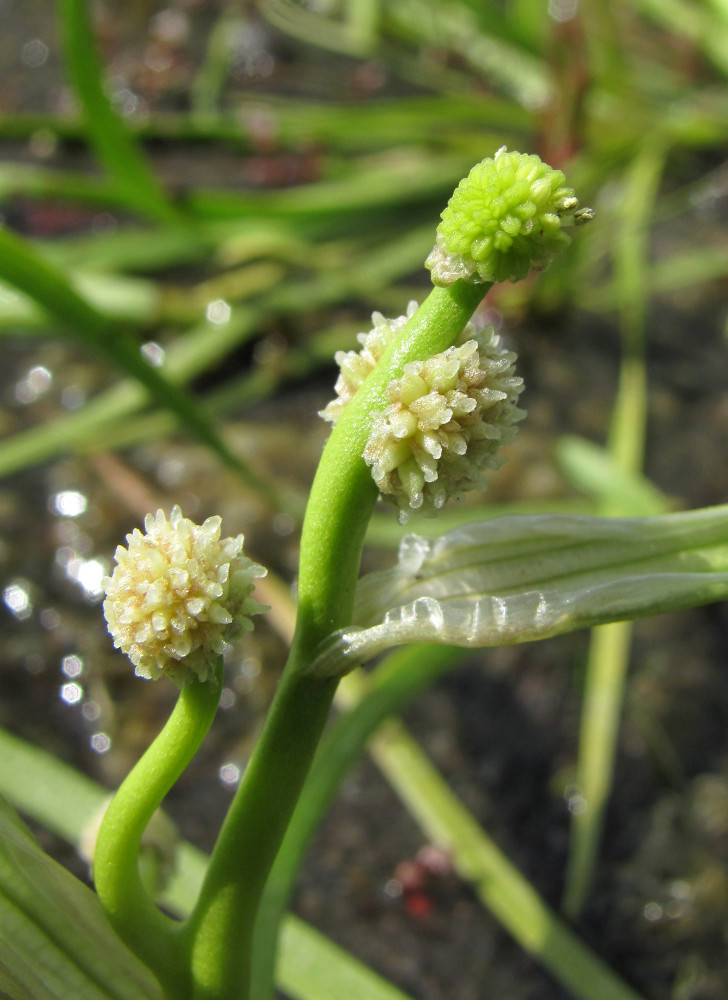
{"x":445,"y":423}
{"x":506,"y":218}
{"x":177,"y":594}
{"x":357,"y":365}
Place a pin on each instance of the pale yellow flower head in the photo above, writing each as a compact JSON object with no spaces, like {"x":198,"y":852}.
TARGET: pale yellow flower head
{"x":357,"y":365}
{"x":445,"y":424}
{"x":177,"y":595}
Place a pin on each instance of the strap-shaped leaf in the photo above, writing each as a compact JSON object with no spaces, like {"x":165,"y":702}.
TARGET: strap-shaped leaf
{"x":517,"y":579}
{"x":55,"y":941}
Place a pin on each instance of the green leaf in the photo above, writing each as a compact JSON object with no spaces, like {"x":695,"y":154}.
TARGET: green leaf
{"x":114,"y":144}
{"x":311,"y":966}
{"x":55,"y":942}
{"x":592,"y":470}
{"x":518,"y":579}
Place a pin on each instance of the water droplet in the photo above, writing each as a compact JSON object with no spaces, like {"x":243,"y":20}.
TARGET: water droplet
{"x":170,"y":26}
{"x":34,"y":664}
{"x":250,"y":667}
{"x":218,"y":312}
{"x":91,"y":710}
{"x":100,"y":742}
{"x":227,"y":698}
{"x":36,"y":381}
{"x":170,"y":471}
{"x":71,"y":693}
{"x":393,"y":888}
{"x":70,"y":503}
{"x":283,"y":524}
{"x":563,"y":10}
{"x":577,"y":805}
{"x":88,"y":573}
{"x":154,"y":353}
{"x":73,"y":397}
{"x":229,"y":774}
{"x":653,"y":912}
{"x":72,"y":666}
{"x":34,"y":53}
{"x":17,"y":599}
{"x":49,"y":619}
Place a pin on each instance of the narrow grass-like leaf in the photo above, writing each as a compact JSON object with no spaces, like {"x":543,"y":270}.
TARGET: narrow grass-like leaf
{"x":22,"y":266}
{"x":512,"y":68}
{"x":55,"y":941}
{"x":498,"y":883}
{"x":127,"y":300}
{"x":115,"y":146}
{"x":609,"y":648}
{"x":592,"y":470}
{"x":431,"y":120}
{"x":397,"y":179}
{"x":36,"y":181}
{"x":518,"y":579}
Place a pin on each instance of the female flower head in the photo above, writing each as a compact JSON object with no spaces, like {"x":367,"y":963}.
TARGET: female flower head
{"x":446,"y":419}
{"x":177,"y":594}
{"x":445,"y":424}
{"x":355,"y":366}
{"x":504,"y":219}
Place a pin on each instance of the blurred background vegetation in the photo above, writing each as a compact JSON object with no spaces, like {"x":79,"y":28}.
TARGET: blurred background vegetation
{"x":202,"y":202}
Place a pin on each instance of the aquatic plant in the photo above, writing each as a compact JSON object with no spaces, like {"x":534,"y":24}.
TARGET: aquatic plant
{"x":422,"y":411}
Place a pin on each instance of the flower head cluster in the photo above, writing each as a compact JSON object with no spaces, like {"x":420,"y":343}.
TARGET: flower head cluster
{"x":445,"y":423}
{"x":504,"y":219}
{"x":357,"y":365}
{"x":177,"y":594}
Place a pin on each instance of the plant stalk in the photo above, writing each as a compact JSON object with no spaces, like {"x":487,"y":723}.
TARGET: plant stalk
{"x":219,"y":932}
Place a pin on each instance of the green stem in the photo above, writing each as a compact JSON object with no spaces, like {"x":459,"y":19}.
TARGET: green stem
{"x":220,"y":930}
{"x":396,"y":682}
{"x":154,"y":937}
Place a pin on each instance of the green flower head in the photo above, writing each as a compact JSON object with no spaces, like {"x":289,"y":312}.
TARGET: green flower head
{"x":506,"y":218}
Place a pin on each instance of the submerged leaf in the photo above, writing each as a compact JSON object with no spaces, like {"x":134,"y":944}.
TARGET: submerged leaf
{"x":518,"y":579}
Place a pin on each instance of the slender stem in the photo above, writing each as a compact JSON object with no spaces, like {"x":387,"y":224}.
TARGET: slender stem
{"x":154,"y":937}
{"x":220,"y":930}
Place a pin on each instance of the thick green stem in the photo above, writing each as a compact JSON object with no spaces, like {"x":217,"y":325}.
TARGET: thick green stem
{"x":154,"y":937}
{"x":219,"y":932}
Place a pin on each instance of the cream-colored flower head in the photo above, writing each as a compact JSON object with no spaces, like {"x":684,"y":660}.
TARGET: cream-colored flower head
{"x":177,"y":594}
{"x":357,"y":365}
{"x":445,"y":423}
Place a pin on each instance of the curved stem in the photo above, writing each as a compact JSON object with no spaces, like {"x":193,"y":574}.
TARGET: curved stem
{"x":220,"y":930}
{"x":154,"y":937}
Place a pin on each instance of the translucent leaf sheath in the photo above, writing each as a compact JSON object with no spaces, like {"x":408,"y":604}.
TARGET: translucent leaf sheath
{"x":524,"y":578}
